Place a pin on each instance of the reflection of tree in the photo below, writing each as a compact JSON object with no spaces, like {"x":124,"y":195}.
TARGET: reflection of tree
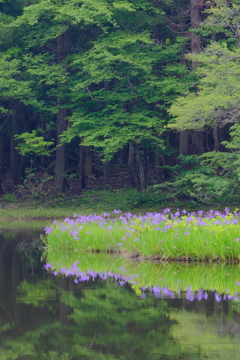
{"x":54,"y":318}
{"x":107,"y":322}
{"x":113,"y":320}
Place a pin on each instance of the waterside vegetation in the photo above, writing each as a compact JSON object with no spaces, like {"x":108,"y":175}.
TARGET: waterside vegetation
{"x":182,"y":236}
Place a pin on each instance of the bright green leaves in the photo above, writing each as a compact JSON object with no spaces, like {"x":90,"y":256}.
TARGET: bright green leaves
{"x":12,"y":85}
{"x":33,"y":144}
{"x":217,"y":98}
{"x":223,"y":18}
{"x":121,"y":90}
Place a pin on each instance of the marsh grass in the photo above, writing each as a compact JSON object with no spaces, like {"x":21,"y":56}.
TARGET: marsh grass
{"x":172,"y":236}
{"x":221,"y":278}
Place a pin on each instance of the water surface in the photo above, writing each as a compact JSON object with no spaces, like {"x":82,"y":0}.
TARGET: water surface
{"x":105,"y":316}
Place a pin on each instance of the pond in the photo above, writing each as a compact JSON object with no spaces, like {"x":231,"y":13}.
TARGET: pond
{"x":69,"y":306}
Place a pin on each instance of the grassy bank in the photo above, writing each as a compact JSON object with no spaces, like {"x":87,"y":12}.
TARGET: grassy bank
{"x":97,"y":201}
{"x":198,"y":236}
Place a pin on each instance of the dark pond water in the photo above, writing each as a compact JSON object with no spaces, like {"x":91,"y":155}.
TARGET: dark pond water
{"x":43,"y":316}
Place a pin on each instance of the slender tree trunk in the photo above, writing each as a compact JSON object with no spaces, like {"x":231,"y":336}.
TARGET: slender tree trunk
{"x":141,"y":163}
{"x":158,"y":163}
{"x":185,"y":136}
{"x":82,"y":161}
{"x":216,"y":138}
{"x":88,"y":162}
{"x":106,"y":174}
{"x":59,"y":180}
{"x":138,"y":167}
{"x":132,"y":167}
{"x":184,"y":142}
{"x":195,"y":6}
{"x":2,"y":156}
{"x":18,"y":119}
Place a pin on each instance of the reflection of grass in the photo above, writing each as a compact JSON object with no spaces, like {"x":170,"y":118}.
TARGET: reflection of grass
{"x":22,"y":224}
{"x":195,"y":331}
{"x":223,"y":278}
{"x":213,"y":236}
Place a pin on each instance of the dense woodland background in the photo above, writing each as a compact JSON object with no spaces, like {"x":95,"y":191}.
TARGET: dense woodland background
{"x":126,"y":93}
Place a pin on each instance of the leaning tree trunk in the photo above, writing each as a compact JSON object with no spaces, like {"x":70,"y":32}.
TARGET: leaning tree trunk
{"x":59,"y":180}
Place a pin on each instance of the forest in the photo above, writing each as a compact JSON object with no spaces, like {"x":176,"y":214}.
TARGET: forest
{"x":111,"y":94}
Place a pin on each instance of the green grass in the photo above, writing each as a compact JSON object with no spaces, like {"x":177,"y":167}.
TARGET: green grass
{"x":91,"y":201}
{"x":214,"y":236}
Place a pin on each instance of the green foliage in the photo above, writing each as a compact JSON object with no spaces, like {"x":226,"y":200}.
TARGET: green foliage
{"x":30,"y":143}
{"x":124,"y":199}
{"x":207,"y":179}
{"x":216,"y":100}
{"x":116,"y":91}
{"x":35,"y":185}
{"x":10,"y":198}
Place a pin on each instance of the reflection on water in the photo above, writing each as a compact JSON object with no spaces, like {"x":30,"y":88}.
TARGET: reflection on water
{"x":47,"y":316}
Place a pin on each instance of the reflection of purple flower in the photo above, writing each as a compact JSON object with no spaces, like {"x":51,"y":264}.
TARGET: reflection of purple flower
{"x":205,"y":295}
{"x":103,"y":276}
{"x":217,"y":297}
{"x":48,"y":266}
{"x":190,"y":295}
{"x":199,"y":295}
{"x":143,"y":296}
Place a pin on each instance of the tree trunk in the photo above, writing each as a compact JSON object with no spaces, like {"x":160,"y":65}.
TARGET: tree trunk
{"x":195,"y":7}
{"x":88,"y":162}
{"x":106,"y":174}
{"x":184,"y":142}
{"x":197,"y":139}
{"x":216,"y":138}
{"x":138,"y":167}
{"x":59,"y":180}
{"x":82,"y":161}
{"x":2,"y":156}
{"x":185,"y":136}
{"x":132,"y":167}
{"x":141,"y":165}
{"x":18,"y":119}
{"x":158,"y":163}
